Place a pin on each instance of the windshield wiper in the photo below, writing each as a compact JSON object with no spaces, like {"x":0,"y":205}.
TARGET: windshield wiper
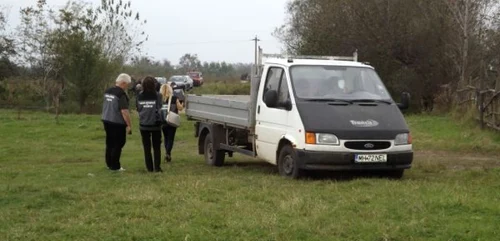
{"x":372,"y":101}
{"x":330,"y":100}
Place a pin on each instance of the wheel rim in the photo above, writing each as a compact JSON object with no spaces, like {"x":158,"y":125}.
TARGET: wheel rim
{"x":210,"y":151}
{"x":288,"y":164}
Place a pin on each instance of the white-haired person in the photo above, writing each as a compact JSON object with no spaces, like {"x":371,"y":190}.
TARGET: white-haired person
{"x":167,"y":92}
{"x":116,"y":120}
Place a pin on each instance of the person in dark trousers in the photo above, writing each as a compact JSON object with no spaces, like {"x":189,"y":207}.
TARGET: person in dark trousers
{"x":149,"y":104}
{"x":166,"y":92}
{"x":116,"y":119}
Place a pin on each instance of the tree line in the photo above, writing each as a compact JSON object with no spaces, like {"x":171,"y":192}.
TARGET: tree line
{"x":63,"y":58}
{"x":68,"y":54}
{"x":212,"y":71}
{"x":431,"y":48}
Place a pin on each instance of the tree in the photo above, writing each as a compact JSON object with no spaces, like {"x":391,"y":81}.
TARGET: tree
{"x":7,"y":50}
{"x":143,"y":66}
{"x":416,"y":45}
{"x":189,"y":62}
{"x":16,"y":93}
{"x":78,"y":48}
{"x":120,"y":29}
{"x":6,"y":42}
{"x":34,"y":36}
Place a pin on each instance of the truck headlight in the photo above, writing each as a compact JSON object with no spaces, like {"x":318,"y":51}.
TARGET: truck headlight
{"x":403,"y":139}
{"x":321,"y":139}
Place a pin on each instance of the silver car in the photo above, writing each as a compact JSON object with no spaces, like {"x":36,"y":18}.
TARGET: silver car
{"x":190,"y":82}
{"x":182,"y":80}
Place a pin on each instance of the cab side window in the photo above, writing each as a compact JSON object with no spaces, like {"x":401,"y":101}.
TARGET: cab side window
{"x":276,"y":80}
{"x":272,"y":79}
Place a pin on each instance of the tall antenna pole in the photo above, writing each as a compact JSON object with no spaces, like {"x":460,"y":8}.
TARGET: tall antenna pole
{"x":256,"y":40}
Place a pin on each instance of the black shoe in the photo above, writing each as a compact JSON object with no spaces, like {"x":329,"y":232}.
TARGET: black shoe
{"x":168,"y":158}
{"x":159,"y":170}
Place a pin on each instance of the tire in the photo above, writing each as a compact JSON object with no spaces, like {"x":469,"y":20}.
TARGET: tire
{"x":288,"y":163}
{"x":213,"y":157}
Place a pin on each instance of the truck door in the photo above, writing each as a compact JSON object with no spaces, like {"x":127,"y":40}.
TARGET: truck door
{"x":271,"y":123}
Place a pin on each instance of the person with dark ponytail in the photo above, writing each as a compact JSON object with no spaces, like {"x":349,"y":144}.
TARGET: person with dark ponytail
{"x":149,"y":103}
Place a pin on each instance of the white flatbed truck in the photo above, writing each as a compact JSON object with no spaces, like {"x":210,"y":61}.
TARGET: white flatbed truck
{"x":307,"y":113}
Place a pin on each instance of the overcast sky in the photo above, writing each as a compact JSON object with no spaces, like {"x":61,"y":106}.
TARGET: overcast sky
{"x":216,"y":30}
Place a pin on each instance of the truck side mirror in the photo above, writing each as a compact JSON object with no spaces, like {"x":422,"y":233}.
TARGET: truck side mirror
{"x":405,"y":101}
{"x":271,"y":98}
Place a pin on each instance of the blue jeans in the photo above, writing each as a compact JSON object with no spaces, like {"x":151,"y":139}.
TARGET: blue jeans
{"x":169,"y":135}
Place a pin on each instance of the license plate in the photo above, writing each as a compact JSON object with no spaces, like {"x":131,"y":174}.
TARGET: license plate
{"x":370,"y":158}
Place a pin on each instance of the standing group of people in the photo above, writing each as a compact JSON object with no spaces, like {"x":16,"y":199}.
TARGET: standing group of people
{"x":149,"y":102}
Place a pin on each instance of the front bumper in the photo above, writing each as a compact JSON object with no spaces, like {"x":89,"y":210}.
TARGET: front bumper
{"x":319,"y":160}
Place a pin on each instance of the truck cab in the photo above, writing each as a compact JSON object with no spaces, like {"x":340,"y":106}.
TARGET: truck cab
{"x":324,"y":114}
{"x":310,"y":113}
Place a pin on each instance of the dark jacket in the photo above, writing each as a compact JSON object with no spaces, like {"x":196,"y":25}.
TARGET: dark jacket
{"x":115,"y":100}
{"x":149,"y":106}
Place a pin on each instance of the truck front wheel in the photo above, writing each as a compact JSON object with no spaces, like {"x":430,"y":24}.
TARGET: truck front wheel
{"x":288,"y":165}
{"x":213,"y":157}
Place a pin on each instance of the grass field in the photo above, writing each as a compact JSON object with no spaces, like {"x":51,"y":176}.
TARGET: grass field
{"x":54,"y":186}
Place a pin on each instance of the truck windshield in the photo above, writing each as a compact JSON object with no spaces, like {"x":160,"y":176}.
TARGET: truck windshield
{"x":337,"y":82}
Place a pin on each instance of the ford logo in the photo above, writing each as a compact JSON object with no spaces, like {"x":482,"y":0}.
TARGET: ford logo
{"x":369,"y":146}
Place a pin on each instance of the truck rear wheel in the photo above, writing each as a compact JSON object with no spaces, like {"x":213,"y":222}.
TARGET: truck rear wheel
{"x":288,"y":163}
{"x":213,"y":157}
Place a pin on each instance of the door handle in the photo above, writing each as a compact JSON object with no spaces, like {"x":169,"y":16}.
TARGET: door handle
{"x":258,"y":109}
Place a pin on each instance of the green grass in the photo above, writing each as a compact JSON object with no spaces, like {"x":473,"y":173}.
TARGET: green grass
{"x":54,"y":186}
{"x":444,"y":133}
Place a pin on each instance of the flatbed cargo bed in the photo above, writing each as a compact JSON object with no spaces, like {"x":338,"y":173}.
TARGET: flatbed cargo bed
{"x":230,"y":110}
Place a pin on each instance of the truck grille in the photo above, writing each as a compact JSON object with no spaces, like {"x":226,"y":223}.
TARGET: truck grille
{"x":367,"y":145}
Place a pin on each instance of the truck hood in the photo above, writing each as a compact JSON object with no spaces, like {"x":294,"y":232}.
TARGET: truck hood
{"x":353,"y":121}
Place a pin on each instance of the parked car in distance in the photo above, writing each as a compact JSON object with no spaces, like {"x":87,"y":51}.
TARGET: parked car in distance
{"x":182,"y":81}
{"x":197,"y":77}
{"x":161,"y":80}
{"x":190,"y":82}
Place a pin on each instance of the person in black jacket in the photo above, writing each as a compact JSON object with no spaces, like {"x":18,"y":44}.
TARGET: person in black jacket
{"x":148,"y":106}
{"x":166,"y":92}
{"x":116,"y":120}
